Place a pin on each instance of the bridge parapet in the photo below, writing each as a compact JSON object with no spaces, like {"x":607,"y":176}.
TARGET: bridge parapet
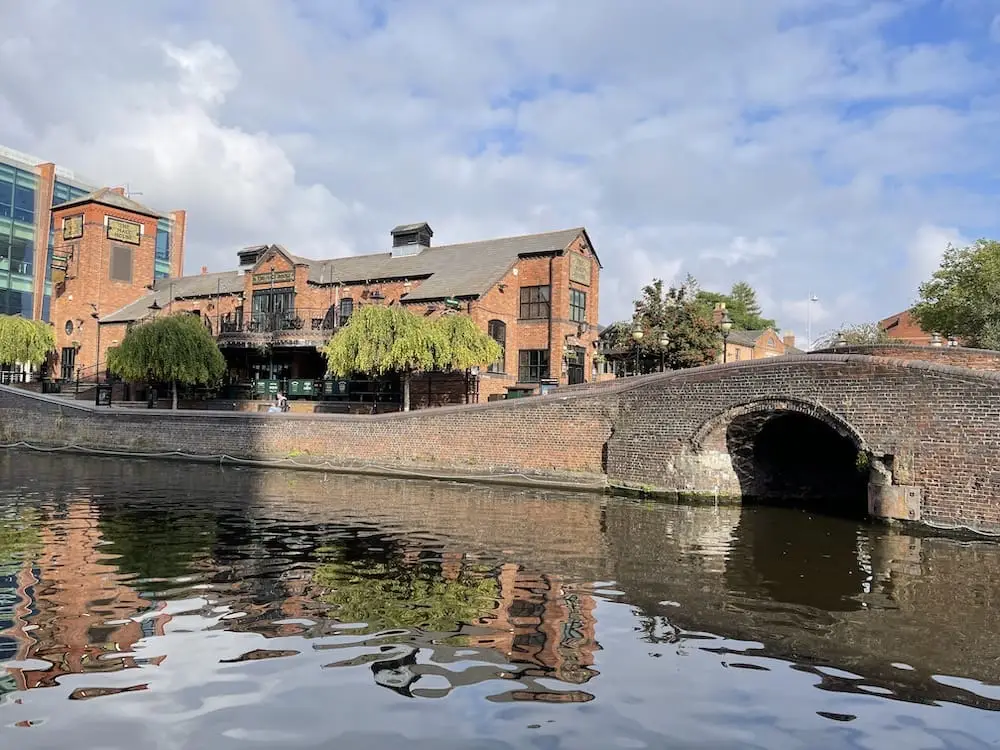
{"x":956,"y":356}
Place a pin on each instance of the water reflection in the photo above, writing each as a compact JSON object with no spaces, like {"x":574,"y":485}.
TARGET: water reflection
{"x":155,"y":585}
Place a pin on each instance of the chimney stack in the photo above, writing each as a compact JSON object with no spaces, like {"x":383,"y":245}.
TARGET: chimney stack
{"x":119,"y":191}
{"x":204,"y":270}
{"x":788,"y":340}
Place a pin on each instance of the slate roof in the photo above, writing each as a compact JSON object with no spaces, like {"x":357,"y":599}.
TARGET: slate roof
{"x":745,"y":338}
{"x":468,"y":269}
{"x":108,"y":197}
{"x":185,"y":287}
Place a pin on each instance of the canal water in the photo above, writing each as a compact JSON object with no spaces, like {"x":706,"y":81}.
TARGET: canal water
{"x":165,"y":605}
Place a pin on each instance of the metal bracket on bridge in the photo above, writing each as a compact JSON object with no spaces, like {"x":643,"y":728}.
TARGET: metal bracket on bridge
{"x":896,"y":501}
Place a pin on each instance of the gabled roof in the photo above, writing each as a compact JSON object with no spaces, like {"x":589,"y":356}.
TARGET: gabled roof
{"x":167,"y":290}
{"x":108,"y":197}
{"x":746,"y":338}
{"x":464,"y":270}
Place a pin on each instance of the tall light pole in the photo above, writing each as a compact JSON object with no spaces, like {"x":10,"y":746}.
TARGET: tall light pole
{"x":664,"y":343}
{"x":726,"y":324}
{"x":637,"y":334}
{"x":809,"y":321}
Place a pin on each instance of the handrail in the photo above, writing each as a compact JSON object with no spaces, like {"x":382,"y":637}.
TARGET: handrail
{"x":319,"y":319}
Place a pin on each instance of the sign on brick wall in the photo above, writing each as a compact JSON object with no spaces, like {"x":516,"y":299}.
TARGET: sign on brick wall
{"x":124,"y":231}
{"x":579,"y":269}
{"x":278,"y":277}
{"x":72,"y":227}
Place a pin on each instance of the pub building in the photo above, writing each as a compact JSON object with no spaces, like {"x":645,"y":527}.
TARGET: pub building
{"x":536,"y":295}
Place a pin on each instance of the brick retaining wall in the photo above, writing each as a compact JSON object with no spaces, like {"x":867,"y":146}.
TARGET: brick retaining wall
{"x":935,"y":428}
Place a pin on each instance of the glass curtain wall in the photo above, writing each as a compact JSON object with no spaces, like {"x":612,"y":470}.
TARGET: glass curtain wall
{"x":17,"y":239}
{"x":161,"y":268}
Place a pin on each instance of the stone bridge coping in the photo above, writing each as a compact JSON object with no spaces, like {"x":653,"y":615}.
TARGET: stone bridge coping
{"x":566,"y":393}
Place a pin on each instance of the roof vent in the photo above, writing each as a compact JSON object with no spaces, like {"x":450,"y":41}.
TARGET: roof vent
{"x":410,"y":239}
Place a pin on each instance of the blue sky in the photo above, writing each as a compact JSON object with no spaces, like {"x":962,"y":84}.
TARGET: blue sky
{"x":828,"y":147}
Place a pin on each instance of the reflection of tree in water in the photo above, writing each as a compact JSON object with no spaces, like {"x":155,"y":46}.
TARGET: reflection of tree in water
{"x":398,"y":595}
{"x":156,"y":544}
{"x":19,"y":541}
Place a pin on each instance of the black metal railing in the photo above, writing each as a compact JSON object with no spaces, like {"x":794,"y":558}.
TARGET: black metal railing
{"x":301,"y":319}
{"x":90,"y":376}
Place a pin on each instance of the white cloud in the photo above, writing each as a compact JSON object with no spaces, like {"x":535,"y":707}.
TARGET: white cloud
{"x":786,"y":142}
{"x":927,"y":247}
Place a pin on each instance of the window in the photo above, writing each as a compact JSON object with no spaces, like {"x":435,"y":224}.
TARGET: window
{"x":6,"y":191}
{"x":24,"y":197}
{"x":534,"y":302}
{"x":121,"y":264}
{"x":532,"y":365}
{"x":346,"y":308}
{"x":497,"y":331}
{"x":577,"y":306}
{"x":162,"y":244}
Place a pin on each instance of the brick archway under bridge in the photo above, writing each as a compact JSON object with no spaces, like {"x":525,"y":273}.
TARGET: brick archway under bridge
{"x":931,"y":432}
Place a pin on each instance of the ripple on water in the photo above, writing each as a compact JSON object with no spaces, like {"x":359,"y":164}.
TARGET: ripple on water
{"x":196,"y":606}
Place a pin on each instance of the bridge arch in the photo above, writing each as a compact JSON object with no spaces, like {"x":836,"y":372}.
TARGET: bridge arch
{"x":790,"y":451}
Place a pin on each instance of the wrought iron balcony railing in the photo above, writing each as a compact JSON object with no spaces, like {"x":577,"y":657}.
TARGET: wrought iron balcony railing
{"x":301,"y":319}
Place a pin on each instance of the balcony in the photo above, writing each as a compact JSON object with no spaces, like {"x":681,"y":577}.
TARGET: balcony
{"x":305,"y":327}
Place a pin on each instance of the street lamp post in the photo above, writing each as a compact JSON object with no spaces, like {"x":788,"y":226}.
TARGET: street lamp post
{"x":726,"y":324}
{"x":664,"y":343}
{"x":637,"y":334}
{"x":936,"y":339}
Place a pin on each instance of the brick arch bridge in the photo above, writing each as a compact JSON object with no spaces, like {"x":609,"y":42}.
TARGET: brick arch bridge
{"x":923,"y":438}
{"x":917,"y":440}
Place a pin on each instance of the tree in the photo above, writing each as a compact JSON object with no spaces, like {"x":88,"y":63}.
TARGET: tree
{"x":378,"y":340}
{"x":693,"y":338}
{"x":962,"y":297}
{"x":741,"y":304}
{"x":463,"y":344}
{"x":174,"y":349}
{"x":25,"y":341}
{"x":859,"y":334}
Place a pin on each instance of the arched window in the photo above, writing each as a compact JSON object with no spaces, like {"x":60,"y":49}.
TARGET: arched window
{"x":346,"y":308}
{"x":497,"y":331}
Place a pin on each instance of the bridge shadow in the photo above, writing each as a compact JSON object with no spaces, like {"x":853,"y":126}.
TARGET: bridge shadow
{"x":794,"y":459}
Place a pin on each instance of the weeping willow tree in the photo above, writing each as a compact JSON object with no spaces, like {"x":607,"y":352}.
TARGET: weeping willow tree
{"x":464,"y":345}
{"x":25,"y":341}
{"x":175,"y":349}
{"x":380,"y":340}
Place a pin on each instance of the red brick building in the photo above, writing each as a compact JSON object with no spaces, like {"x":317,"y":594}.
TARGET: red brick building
{"x":903,"y":327}
{"x":536,"y":295}
{"x":107,"y":251}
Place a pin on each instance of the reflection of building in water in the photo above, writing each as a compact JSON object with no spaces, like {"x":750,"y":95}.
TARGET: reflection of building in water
{"x":63,"y":602}
{"x":543,"y":624}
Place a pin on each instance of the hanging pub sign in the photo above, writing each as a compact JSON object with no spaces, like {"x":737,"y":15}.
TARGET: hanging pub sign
{"x":72,"y":227}
{"x":124,"y":231}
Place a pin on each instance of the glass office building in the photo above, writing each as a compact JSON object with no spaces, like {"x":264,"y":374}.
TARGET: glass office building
{"x":23,"y":226}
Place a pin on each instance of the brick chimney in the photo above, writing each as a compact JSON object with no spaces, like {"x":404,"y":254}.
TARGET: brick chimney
{"x":788,"y":340}
{"x":718,"y":312}
{"x":204,"y":270}
{"x":118,"y":191}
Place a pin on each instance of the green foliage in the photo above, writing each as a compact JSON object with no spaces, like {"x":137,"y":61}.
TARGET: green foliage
{"x":175,"y":348}
{"x":860,"y":334}
{"x":384,"y":595}
{"x":962,"y":298}
{"x":23,"y":340}
{"x":464,"y":345}
{"x":693,"y":338}
{"x":19,"y":538}
{"x":741,"y":304}
{"x":379,"y":340}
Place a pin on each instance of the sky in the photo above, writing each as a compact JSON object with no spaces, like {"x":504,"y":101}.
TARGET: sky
{"x":810,"y":147}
